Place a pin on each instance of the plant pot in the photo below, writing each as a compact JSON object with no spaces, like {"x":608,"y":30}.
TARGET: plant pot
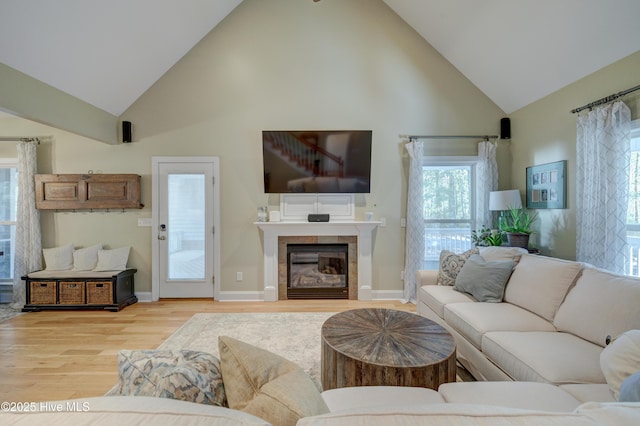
{"x":518,"y":240}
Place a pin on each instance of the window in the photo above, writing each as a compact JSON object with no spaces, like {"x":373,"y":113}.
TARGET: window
{"x":449,"y":206}
{"x":633,"y":211}
{"x":8,"y":202}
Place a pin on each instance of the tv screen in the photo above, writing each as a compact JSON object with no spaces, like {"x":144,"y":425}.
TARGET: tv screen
{"x":318,"y":161}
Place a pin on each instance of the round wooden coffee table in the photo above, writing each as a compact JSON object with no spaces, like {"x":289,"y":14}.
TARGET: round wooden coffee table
{"x":369,"y":347}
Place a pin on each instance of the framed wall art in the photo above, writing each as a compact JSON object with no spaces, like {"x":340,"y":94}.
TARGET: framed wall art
{"x":547,"y":186}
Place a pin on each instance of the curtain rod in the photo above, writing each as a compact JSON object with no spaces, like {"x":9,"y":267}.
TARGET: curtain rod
{"x":485,"y":137}
{"x":605,"y":100}
{"x":20,"y":139}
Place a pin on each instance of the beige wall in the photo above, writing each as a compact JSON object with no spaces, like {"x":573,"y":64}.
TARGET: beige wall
{"x":282,"y":64}
{"x":545,"y":131}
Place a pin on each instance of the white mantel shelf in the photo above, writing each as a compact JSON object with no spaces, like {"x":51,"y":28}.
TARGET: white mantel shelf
{"x":363,"y":230}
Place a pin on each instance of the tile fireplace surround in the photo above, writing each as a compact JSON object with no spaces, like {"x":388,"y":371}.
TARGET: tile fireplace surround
{"x":274,"y":231}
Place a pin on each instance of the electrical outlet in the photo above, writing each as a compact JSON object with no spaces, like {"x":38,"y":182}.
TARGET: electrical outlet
{"x":238,"y":276}
{"x":145,"y":221}
{"x":403,"y":222}
{"x":383,"y":221}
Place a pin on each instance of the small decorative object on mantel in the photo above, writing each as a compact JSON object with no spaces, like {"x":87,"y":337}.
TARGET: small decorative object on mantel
{"x":518,"y":227}
{"x":547,"y":186}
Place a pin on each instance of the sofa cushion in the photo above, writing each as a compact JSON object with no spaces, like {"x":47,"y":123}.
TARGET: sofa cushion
{"x":589,"y":392}
{"x":353,"y":397}
{"x":130,"y":410}
{"x":526,"y":395}
{"x":611,"y":414}
{"x":451,"y":263}
{"x":184,"y":375}
{"x":266,"y":385}
{"x":448,"y":414}
{"x":437,"y":297}
{"x":484,"y":280}
{"x":473,"y":320}
{"x":551,"y":357}
{"x":540,"y":283}
{"x":492,"y":253}
{"x":601,"y":304}
{"x":620,"y":359}
{"x":58,"y":258}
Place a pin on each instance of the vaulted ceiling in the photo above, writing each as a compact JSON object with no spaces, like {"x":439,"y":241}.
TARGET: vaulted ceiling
{"x":110,"y":52}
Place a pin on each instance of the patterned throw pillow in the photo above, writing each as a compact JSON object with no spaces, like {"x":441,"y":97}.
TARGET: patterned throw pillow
{"x":183,"y":375}
{"x":451,"y":264}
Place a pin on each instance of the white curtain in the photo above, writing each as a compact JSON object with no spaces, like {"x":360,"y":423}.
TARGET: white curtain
{"x":602,"y":184}
{"x":414,"y":240}
{"x":28,"y":250}
{"x":486,"y":181}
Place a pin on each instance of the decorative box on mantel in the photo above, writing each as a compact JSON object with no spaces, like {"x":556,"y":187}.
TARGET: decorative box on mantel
{"x":362,"y":230}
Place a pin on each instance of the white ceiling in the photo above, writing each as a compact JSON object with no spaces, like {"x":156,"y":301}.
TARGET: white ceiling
{"x":110,"y":52}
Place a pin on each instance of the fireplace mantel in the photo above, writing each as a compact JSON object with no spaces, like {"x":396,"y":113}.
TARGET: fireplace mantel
{"x":363,"y":230}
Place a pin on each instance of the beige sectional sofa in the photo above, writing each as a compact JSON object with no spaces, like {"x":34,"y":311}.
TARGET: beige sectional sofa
{"x":551,"y":326}
{"x":456,"y":404}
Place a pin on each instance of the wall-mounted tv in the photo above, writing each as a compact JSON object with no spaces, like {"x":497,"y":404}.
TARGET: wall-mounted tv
{"x":317,"y":161}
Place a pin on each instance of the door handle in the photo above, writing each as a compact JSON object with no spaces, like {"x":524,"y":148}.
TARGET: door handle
{"x":162,"y":237}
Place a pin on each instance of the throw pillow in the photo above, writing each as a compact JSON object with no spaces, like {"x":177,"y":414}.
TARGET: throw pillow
{"x":451,"y":264}
{"x":630,"y":388}
{"x":112,"y":260}
{"x":85,"y":259}
{"x":485,"y":281}
{"x":620,"y":359}
{"x":58,"y":258}
{"x":267,"y":385}
{"x":183,"y":375}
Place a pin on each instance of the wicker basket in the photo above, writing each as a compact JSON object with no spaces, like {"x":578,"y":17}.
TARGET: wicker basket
{"x":99,"y":293}
{"x":42,"y":293}
{"x":71,"y":292}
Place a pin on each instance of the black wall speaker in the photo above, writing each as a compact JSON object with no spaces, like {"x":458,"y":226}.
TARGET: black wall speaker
{"x":126,"y":131}
{"x":318,"y":218}
{"x":505,"y":128}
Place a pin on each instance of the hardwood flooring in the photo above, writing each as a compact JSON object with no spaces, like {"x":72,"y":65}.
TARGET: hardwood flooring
{"x":55,"y":355}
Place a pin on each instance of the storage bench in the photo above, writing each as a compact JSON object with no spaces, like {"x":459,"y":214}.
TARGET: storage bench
{"x":51,"y":290}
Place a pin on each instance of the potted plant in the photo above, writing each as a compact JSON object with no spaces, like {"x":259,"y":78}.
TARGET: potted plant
{"x":518,"y":227}
{"x":485,"y":237}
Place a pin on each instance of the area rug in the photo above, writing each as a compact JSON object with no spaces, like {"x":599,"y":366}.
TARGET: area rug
{"x":7,"y":312}
{"x":294,"y":336}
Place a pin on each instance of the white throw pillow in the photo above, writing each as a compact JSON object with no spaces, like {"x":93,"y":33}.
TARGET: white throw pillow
{"x":86,"y":259}
{"x":620,"y":359}
{"x":113,"y":260}
{"x":58,"y":258}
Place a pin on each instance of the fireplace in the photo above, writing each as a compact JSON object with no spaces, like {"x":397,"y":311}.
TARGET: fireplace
{"x":357,"y":234}
{"x":317,"y":271}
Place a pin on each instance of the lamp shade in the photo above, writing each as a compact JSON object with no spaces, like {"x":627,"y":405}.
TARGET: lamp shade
{"x":505,"y":200}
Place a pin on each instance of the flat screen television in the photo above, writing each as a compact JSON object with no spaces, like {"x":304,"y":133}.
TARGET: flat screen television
{"x":316,"y":161}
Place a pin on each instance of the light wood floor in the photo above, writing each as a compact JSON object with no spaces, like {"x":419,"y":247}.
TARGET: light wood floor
{"x":54,"y":355}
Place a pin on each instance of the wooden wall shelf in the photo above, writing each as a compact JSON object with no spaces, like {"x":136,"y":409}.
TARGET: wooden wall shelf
{"x":87,"y":191}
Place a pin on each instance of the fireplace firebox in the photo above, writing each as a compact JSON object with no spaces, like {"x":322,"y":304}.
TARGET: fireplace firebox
{"x":317,"y":271}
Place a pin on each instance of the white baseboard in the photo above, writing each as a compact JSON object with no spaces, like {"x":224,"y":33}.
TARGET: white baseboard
{"x":144,"y":296}
{"x":258,"y":296}
{"x":387,"y":294}
{"x":241,"y":296}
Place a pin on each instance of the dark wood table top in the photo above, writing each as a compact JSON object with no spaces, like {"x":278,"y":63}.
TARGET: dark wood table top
{"x":388,"y":337}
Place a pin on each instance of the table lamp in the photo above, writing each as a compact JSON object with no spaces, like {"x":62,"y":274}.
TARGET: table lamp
{"x":504,"y":200}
